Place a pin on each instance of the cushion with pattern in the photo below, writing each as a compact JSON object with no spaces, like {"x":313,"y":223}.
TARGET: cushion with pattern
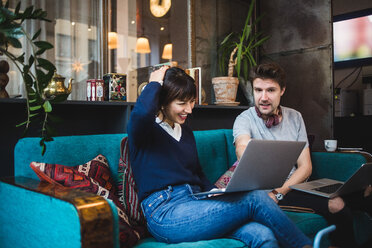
{"x":94,"y":177}
{"x":127,"y":190}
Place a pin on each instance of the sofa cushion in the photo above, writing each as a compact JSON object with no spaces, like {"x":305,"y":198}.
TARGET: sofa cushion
{"x":212,"y":153}
{"x":127,"y":190}
{"x":94,"y":177}
{"x":214,"y":243}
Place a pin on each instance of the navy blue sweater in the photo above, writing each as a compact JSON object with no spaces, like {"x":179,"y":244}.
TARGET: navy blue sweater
{"x":157,"y":159}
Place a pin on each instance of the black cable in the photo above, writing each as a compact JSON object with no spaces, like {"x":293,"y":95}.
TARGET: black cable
{"x":351,"y":73}
{"x":355,"y":79}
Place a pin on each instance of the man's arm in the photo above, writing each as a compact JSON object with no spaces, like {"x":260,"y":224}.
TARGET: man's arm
{"x":241,"y":143}
{"x":304,"y":169}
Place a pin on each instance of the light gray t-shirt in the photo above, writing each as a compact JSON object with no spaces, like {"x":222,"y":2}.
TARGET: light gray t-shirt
{"x":292,"y":127}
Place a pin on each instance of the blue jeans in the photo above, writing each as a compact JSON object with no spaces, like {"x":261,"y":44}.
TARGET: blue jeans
{"x":174,"y":215}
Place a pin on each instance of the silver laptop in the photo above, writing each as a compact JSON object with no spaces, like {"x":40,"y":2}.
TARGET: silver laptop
{"x":331,"y":188}
{"x":265,"y":164}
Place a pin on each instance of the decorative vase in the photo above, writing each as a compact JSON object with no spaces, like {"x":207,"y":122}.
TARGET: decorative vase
{"x":225,"y":89}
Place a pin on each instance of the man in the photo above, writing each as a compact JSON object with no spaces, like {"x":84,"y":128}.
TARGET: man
{"x":269,"y":120}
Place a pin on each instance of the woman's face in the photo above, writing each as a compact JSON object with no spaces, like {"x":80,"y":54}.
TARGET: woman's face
{"x":177,"y":111}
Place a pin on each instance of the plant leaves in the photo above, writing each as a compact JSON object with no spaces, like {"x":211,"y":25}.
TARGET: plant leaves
{"x":28,"y":80}
{"x":40,"y":51}
{"x":21,"y":58}
{"x":28,"y":11}
{"x":21,"y":124}
{"x":36,"y":34}
{"x":14,"y":42}
{"x":43,"y":44}
{"x":46,"y":64}
{"x":31,"y":61}
{"x":16,"y":11}
{"x":47,"y":107}
{"x":33,"y":108}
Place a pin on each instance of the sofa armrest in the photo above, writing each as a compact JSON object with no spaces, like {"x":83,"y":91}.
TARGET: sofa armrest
{"x":337,"y":165}
{"x":39,"y":214}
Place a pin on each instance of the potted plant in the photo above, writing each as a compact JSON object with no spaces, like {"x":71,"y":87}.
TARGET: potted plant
{"x":238,"y":50}
{"x":35,"y":70}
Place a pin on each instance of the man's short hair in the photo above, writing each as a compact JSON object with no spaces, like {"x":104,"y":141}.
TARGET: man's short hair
{"x":271,"y":71}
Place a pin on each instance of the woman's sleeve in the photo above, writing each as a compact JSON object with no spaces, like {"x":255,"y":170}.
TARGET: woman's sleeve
{"x":142,"y":117}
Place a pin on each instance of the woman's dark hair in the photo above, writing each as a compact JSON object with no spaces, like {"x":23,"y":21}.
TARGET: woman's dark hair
{"x":271,"y":71}
{"x":176,"y":85}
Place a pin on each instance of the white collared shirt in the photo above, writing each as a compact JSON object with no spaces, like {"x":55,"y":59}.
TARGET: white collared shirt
{"x":175,"y":132}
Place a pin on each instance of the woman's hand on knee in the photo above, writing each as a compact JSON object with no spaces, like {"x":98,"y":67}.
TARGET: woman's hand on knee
{"x":336,"y":204}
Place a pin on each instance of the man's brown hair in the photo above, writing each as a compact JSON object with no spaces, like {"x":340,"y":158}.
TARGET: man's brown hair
{"x":271,"y":71}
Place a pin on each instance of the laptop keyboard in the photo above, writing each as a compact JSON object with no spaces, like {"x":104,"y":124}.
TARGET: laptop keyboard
{"x":329,"y":188}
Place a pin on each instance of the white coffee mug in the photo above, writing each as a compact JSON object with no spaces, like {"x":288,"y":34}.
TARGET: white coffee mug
{"x":330,"y":145}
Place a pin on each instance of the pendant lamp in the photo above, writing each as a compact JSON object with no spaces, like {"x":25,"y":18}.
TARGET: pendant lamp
{"x":167,"y":51}
{"x":142,"y":45}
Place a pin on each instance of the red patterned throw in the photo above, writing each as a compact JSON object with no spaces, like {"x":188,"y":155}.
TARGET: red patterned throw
{"x":94,"y":177}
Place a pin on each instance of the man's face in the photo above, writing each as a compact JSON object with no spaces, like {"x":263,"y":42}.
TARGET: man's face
{"x":267,"y":94}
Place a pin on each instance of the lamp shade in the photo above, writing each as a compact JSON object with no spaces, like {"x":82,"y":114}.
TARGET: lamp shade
{"x":167,"y":51}
{"x":143,"y":45}
{"x":112,"y":40}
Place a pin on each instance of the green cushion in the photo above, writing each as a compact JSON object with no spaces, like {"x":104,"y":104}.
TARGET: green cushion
{"x":215,"y":243}
{"x":309,"y":223}
{"x":212,"y":152}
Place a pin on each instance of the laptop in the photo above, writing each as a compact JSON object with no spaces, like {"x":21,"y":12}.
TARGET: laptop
{"x":265,"y":164}
{"x":331,"y":188}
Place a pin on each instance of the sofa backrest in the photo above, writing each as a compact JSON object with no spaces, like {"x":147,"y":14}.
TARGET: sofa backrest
{"x":215,"y":150}
{"x":337,"y":165}
{"x":67,"y":150}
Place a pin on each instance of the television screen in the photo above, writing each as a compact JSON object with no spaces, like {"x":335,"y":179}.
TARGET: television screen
{"x":352,"y":39}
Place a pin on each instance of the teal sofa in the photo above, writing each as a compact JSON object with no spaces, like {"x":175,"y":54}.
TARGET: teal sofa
{"x":37,"y":214}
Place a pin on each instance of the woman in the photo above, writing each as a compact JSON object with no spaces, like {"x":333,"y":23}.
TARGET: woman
{"x":166,"y":169}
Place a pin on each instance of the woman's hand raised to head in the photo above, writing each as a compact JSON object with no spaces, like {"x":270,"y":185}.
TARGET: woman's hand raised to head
{"x":158,"y":75}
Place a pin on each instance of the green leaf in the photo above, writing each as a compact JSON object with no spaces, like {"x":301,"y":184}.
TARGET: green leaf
{"x":26,"y":69}
{"x":226,"y":38}
{"x":33,"y":108}
{"x":40,"y":51}
{"x":37,"y":13}
{"x":7,"y":4}
{"x":238,"y":60}
{"x":34,"y":114}
{"x":47,"y":107}
{"x":46,"y":64}
{"x":17,"y":8}
{"x":43,"y":44}
{"x":28,"y":11}
{"x":43,"y":146}
{"x":28,"y":80}
{"x":36,"y":34}
{"x":21,"y":58}
{"x":31,"y":61}
{"x":14,"y":42}
{"x":21,"y":124}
